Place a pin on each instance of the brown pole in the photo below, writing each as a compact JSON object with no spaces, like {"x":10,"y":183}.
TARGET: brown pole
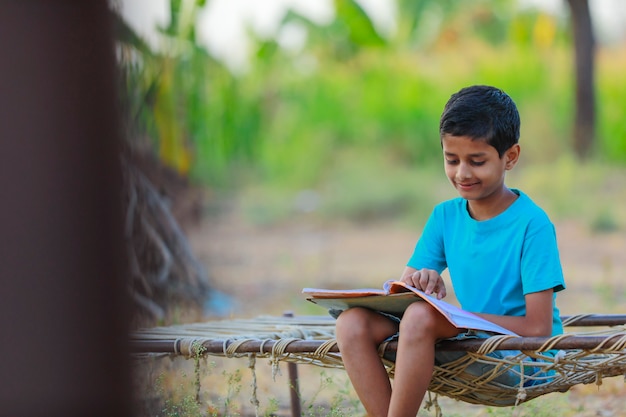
{"x":62,"y":309}
{"x":294,"y":389}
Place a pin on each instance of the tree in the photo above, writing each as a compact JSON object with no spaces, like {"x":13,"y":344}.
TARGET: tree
{"x":157,"y":194}
{"x":584,"y":50}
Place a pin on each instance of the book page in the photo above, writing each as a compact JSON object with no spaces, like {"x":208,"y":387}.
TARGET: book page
{"x":458,"y":317}
{"x":326,"y":293}
{"x":394,"y":298}
{"x":392,"y":304}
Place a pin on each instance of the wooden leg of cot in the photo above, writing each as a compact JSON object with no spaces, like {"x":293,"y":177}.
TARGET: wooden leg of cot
{"x":294,"y":390}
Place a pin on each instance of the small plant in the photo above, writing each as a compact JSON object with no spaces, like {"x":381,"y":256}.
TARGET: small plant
{"x":604,"y":222}
{"x":234,"y":387}
{"x":272,"y":408}
{"x":545,"y":407}
{"x":187,"y":406}
{"x":325,"y":382}
{"x":336,"y":407}
{"x":346,"y":395}
{"x":198,"y":353}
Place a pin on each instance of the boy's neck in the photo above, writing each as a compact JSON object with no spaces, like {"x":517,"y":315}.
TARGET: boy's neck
{"x":486,"y":209}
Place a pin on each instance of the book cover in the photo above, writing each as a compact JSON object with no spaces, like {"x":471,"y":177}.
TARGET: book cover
{"x":393,"y":298}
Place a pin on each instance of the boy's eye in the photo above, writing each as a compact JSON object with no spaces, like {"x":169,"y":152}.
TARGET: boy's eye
{"x":473,"y":163}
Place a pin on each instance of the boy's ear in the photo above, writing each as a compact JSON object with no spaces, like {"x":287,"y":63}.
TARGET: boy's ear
{"x":512,"y":156}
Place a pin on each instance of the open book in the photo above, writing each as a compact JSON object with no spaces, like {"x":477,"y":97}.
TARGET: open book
{"x":394,"y":298}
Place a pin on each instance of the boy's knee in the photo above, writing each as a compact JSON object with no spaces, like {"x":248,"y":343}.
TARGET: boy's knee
{"x":360,"y":324}
{"x":419,"y":317}
{"x":351,"y":321}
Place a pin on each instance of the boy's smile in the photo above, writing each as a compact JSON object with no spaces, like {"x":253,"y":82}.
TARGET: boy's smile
{"x":477,"y":172}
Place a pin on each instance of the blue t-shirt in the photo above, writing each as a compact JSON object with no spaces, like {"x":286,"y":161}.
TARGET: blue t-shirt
{"x":493,"y":263}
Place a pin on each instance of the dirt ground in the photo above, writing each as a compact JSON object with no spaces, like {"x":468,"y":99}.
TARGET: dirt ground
{"x":270,"y":265}
{"x":265,"y":268}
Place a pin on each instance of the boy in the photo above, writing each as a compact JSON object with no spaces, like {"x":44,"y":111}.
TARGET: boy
{"x":499,"y":247}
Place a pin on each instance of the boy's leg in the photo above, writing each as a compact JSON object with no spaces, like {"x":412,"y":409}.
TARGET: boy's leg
{"x":420,"y":328}
{"x":359,"y":332}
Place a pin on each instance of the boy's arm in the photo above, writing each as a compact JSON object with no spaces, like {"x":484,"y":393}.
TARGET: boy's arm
{"x":538,"y":319}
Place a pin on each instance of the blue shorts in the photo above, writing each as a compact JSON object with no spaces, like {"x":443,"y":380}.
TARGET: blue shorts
{"x":492,"y":366}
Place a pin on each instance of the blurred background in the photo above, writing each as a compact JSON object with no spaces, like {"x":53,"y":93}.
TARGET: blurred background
{"x":279,"y":144}
{"x":308,"y":118}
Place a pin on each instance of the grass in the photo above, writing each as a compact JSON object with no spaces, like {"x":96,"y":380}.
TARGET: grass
{"x":173,"y":394}
{"x":327,"y":392}
{"x":567,"y":189}
{"x":365,"y":187}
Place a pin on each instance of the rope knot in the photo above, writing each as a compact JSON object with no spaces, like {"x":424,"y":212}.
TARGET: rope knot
{"x":278,"y":353}
{"x":432,"y":402}
{"x":521,"y":391}
{"x":521,"y":395}
{"x":254,"y":399}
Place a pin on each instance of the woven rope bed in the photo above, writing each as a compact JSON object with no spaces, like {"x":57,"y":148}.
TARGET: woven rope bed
{"x":584,"y":357}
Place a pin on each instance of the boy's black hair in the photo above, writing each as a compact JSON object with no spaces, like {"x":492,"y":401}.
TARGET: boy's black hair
{"x":482,"y":113}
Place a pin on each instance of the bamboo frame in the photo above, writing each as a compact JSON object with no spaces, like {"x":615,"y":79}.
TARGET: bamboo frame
{"x":584,"y":357}
{"x":565,"y":342}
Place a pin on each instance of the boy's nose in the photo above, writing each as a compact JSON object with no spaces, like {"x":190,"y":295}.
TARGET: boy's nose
{"x":464,"y":171}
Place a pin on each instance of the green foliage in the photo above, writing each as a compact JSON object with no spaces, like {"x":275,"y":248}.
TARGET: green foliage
{"x":360,"y":186}
{"x":233,"y":381}
{"x":334,"y":110}
{"x":199,"y":118}
{"x":272,"y":408}
{"x":604,"y":221}
{"x":611,"y":97}
{"x":288,"y":120}
{"x":569,"y":189}
{"x":355,"y":26}
{"x":183,"y":406}
{"x":366,"y":188}
{"x":343,"y":404}
{"x":198,"y":353}
{"x":544,"y":407}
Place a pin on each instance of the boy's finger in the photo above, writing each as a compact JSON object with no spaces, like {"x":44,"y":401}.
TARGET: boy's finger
{"x":432,"y":283}
{"x":441,"y":291}
{"x":425,"y":281}
{"x":415,"y":279}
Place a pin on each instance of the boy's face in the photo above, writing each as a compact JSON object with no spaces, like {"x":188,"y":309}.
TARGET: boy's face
{"x":474,"y":167}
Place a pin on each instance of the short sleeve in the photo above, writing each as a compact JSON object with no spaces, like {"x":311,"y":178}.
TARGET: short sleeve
{"x":541,"y":265}
{"x":429,"y":251}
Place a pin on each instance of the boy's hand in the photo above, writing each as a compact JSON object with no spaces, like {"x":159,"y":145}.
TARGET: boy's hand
{"x":427,"y":280}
